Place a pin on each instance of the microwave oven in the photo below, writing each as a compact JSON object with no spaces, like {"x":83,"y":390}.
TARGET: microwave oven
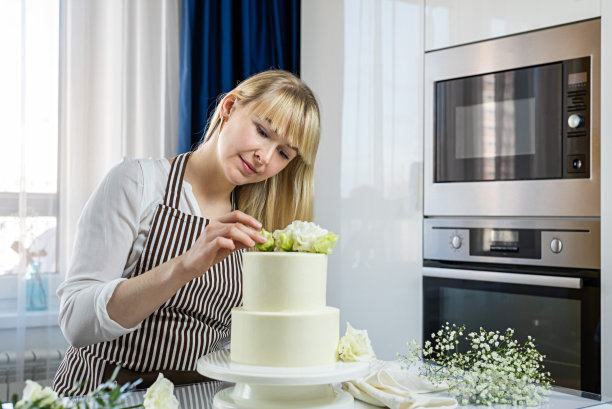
{"x":512,"y":125}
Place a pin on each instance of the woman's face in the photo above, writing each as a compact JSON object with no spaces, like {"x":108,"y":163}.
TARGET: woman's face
{"x":249,"y":149}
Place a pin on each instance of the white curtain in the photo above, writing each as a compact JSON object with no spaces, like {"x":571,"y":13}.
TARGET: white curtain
{"x":119,"y":82}
{"x":118,"y":96}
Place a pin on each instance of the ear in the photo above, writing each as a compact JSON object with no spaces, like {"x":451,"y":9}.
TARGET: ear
{"x":227,"y":105}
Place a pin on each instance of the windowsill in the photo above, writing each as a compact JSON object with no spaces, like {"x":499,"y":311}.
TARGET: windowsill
{"x":31,"y":319}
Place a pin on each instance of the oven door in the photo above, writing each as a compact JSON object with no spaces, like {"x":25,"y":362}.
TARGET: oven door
{"x":560,"y":311}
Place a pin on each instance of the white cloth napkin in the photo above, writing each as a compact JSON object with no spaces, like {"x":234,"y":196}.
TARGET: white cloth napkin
{"x":387,"y":384}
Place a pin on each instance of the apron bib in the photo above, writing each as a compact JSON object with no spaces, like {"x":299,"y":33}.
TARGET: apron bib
{"x":194,"y":322}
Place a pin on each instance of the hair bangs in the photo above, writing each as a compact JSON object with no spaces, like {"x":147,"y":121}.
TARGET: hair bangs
{"x":293,"y":118}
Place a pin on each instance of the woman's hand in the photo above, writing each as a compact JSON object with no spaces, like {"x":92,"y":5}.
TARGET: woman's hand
{"x":138,"y":297}
{"x":233,"y":231}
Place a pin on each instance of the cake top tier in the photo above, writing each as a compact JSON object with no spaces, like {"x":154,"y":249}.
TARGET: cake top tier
{"x":280,"y":281}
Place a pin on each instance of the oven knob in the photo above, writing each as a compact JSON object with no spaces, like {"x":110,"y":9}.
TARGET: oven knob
{"x":556,"y":245}
{"x":575,"y":121}
{"x":456,"y":242}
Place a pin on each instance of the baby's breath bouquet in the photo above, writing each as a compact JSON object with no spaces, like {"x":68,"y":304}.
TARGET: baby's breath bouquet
{"x":495,"y":368}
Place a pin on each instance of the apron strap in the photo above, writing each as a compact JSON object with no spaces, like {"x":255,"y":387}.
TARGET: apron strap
{"x":175,"y":180}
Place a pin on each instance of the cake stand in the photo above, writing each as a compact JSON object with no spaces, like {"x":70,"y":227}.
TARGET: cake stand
{"x":259,"y":387}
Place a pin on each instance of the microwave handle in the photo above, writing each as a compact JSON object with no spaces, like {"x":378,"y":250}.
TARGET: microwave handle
{"x":510,"y":278}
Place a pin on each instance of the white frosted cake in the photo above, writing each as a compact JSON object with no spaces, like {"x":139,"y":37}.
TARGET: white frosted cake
{"x":284,"y":320}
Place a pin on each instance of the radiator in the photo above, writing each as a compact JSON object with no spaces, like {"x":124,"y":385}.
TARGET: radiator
{"x":39,"y":365}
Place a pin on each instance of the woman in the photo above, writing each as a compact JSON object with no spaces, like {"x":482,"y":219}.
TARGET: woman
{"x":156,"y":271}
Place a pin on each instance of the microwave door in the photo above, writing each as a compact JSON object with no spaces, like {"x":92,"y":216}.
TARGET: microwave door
{"x":500,"y":126}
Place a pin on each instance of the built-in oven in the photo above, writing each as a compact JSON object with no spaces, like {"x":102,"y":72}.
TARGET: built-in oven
{"x":512,"y":125}
{"x":539,"y":276}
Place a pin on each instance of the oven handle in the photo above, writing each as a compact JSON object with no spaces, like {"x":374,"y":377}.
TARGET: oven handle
{"x":511,"y":278}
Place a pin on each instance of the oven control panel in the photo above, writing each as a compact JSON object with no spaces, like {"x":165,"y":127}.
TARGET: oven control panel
{"x":561,"y":243}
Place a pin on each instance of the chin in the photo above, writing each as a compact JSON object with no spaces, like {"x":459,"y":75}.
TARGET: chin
{"x":239,"y":179}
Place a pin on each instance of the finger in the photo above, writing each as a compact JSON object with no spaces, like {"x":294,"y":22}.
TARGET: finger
{"x":218,"y":227}
{"x":255,"y":235}
{"x":240,"y":234}
{"x":222,"y":243}
{"x":232,"y":231}
{"x":240,"y":217}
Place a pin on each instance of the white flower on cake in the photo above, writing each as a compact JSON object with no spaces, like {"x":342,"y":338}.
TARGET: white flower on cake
{"x":160,"y":395}
{"x":355,"y":346}
{"x":300,"y":236}
{"x":34,"y":392}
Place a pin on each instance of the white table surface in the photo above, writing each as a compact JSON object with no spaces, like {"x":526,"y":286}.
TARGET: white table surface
{"x":200,"y":396}
{"x":557,"y":400}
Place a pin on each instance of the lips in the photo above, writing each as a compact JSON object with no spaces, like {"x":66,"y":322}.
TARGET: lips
{"x":247,"y":167}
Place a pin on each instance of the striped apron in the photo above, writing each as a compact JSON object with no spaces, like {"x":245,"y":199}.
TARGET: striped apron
{"x":194,"y":322}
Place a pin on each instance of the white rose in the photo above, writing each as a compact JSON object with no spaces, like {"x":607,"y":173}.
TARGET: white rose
{"x":33,"y":391}
{"x":305,"y":236}
{"x":160,"y":395}
{"x":298,"y":236}
{"x":355,"y":346}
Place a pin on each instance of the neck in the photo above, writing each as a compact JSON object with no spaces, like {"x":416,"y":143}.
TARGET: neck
{"x":206,"y":176}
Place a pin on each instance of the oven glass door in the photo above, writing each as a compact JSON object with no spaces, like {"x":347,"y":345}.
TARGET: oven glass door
{"x":563,"y":321}
{"x":500,"y":126}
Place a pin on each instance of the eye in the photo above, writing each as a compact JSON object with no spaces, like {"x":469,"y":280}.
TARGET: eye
{"x":261,"y":131}
{"x":283,"y":154}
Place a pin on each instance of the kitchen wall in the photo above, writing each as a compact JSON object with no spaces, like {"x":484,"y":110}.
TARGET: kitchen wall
{"x":364,"y":61}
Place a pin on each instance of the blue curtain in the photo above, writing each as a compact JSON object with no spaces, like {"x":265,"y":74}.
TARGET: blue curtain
{"x":224,"y":42}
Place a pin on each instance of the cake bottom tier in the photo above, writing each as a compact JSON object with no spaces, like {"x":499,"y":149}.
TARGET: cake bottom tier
{"x":285,"y":338}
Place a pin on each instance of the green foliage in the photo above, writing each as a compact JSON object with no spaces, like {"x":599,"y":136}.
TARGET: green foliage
{"x":269,"y":244}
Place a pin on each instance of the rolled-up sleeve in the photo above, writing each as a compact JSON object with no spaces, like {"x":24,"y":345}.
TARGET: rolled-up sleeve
{"x":106,"y":231}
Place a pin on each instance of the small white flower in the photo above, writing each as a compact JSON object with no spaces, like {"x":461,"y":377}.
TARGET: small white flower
{"x":501,"y":370}
{"x":160,"y":395}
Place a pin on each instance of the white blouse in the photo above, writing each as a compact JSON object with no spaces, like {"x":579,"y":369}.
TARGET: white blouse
{"x":111,"y":234}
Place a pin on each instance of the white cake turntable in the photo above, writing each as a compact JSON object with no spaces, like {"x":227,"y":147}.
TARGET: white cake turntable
{"x":259,"y":387}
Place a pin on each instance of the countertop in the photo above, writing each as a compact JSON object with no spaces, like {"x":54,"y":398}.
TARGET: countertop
{"x":200,"y":396}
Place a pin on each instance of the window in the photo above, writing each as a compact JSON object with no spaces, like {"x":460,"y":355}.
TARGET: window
{"x":29,"y":45}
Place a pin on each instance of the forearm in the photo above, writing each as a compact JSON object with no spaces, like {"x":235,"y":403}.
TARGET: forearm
{"x":137,"y":298}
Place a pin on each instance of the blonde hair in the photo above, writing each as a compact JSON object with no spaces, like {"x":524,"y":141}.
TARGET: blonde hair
{"x":291,"y":108}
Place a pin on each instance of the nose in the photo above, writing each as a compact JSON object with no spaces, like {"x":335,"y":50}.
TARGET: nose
{"x":264,"y":154}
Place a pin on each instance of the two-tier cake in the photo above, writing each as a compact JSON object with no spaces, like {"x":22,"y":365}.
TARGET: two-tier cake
{"x":284,"y":320}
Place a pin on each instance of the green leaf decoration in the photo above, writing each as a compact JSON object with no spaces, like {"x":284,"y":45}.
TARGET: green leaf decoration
{"x":269,"y":244}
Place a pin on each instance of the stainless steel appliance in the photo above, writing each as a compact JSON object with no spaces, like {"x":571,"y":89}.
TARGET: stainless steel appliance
{"x":540,"y":276}
{"x":512,"y":125}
